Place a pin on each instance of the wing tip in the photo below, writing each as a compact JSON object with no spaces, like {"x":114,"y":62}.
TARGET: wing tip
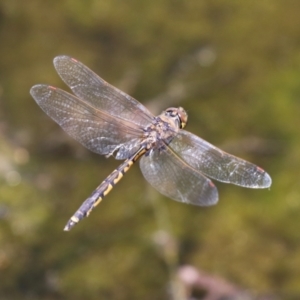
{"x":61,"y":58}
{"x":266,"y":181}
{"x":214,"y":198}
{"x":33,"y":90}
{"x":36,"y":88}
{"x":209,"y":195}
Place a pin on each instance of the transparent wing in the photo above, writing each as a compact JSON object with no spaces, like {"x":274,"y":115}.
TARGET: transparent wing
{"x":174,"y":178}
{"x":94,"y":90}
{"x":96,"y":130}
{"x":218,"y":164}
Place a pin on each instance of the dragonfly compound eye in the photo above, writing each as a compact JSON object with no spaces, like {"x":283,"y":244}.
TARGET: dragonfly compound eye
{"x":183,"y":117}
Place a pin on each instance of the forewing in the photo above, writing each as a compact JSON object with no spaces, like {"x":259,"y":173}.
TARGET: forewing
{"x":96,"y":130}
{"x":174,"y":178}
{"x":94,"y":90}
{"x":218,"y":164}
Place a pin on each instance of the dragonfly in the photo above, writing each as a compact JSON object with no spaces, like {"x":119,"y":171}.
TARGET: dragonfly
{"x":109,"y":122}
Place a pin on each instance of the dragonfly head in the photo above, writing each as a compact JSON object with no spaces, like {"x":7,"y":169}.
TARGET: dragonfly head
{"x":178,"y":114}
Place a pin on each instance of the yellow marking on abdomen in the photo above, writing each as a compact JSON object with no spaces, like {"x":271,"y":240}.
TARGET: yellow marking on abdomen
{"x":108,"y":189}
{"x":117,"y":179}
{"x":75,"y":219}
{"x":96,"y":203}
{"x":127,"y":167}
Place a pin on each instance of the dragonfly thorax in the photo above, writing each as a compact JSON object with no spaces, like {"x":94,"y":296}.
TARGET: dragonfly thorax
{"x":164,"y":128}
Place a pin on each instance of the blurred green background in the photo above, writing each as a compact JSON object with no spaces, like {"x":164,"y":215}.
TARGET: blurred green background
{"x":233,"y":65}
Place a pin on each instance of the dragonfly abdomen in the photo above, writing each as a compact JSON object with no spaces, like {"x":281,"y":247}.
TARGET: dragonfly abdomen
{"x":102,"y":190}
